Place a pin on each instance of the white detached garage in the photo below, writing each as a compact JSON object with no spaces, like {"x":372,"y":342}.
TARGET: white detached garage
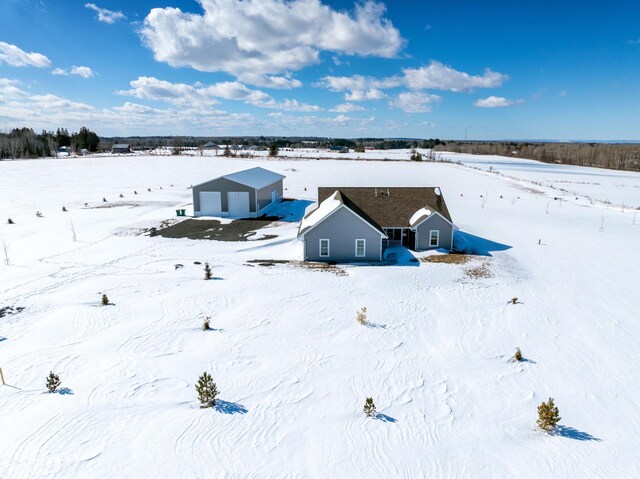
{"x":244,"y":194}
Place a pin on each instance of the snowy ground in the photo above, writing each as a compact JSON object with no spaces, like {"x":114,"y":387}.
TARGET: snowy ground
{"x":291,"y":362}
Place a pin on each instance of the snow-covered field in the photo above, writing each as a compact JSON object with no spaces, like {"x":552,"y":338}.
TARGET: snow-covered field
{"x":291,"y":362}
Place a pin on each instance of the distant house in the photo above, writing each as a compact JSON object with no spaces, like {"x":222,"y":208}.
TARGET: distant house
{"x":210,"y":146}
{"x":357,"y":224}
{"x":244,"y":194}
{"x":120,"y":148}
{"x":339,"y":149}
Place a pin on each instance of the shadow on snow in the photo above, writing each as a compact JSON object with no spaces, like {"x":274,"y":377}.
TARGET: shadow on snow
{"x":471,"y":244}
{"x":571,"y":433}
{"x":226,"y":407}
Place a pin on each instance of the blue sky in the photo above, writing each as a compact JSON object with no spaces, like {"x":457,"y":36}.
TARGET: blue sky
{"x":492,"y":69}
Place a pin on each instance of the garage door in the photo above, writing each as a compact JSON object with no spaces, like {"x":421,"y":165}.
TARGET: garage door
{"x":238,"y":204}
{"x":210,"y":203}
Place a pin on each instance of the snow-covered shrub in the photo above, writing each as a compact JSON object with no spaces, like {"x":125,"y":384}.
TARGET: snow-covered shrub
{"x":53,"y":382}
{"x":548,"y":416}
{"x":369,"y":407}
{"x":10,"y":221}
{"x":518,"y":355}
{"x":361,"y":316}
{"x":207,"y":390}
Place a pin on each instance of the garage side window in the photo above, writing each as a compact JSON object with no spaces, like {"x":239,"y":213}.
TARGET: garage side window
{"x":360,"y":248}
{"x":434,"y":237}
{"x":324,"y":247}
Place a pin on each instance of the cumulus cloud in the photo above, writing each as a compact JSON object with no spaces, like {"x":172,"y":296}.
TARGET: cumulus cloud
{"x":347,"y":108}
{"x":104,"y":15}
{"x":357,"y":82}
{"x":437,"y":76}
{"x":84,"y":72}
{"x":151,"y":88}
{"x":261,"y":41}
{"x":364,"y":95}
{"x":16,"y":57}
{"x":414,"y":102}
{"x":495,"y":102}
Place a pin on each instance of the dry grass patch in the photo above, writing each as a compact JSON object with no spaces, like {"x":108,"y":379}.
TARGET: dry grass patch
{"x":480,"y":271}
{"x":452,"y":258}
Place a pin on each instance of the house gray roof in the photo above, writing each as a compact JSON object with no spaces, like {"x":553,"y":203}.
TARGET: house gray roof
{"x":327,"y":207}
{"x":120,"y":145}
{"x":390,"y":207}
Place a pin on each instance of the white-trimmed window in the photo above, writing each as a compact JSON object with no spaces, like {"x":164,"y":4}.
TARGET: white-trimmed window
{"x":324,"y":247}
{"x":361,"y":248}
{"x":434,"y":237}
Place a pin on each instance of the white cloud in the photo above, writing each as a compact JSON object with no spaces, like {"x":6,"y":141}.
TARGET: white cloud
{"x":9,"y":90}
{"x":16,"y":57}
{"x":151,"y":88}
{"x":495,"y":102}
{"x":364,"y":95}
{"x":358,"y":82}
{"x":259,"y":41}
{"x":54,"y":102}
{"x":635,"y":41}
{"x":347,"y":108}
{"x":414,"y":102}
{"x":104,"y":15}
{"x":84,"y":72}
{"x":438,"y":76}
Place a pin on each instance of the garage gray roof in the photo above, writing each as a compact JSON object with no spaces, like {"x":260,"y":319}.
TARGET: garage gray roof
{"x":255,"y":177}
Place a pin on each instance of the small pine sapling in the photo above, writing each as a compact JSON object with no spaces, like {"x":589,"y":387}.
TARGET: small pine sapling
{"x":361,"y":316}
{"x":105,"y":299}
{"x":104,"y":200}
{"x":53,"y":382}
{"x":369,"y":407}
{"x":206,"y":326}
{"x":207,"y":271}
{"x":135,"y":192}
{"x":64,"y":209}
{"x":207,"y":390}
{"x":10,"y":221}
{"x":548,"y":416}
{"x":514,"y":300}
{"x":121,"y":195}
{"x":39,"y":214}
{"x":518,"y":355}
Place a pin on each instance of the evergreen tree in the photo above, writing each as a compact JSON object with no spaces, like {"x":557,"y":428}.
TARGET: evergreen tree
{"x":207,"y":271}
{"x":369,"y":407}
{"x":206,"y":326}
{"x":53,"y":382}
{"x":207,"y":390}
{"x":105,"y":299}
{"x":273,"y":149}
{"x":548,"y":416}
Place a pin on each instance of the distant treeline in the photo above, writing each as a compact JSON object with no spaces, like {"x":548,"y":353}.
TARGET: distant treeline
{"x":25,"y":143}
{"x":602,"y":155}
{"x":149,"y":142}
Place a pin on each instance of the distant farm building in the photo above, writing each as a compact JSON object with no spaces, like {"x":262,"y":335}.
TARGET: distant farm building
{"x":244,"y":194}
{"x":121,"y":148}
{"x":339,"y":149}
{"x":211,"y":146}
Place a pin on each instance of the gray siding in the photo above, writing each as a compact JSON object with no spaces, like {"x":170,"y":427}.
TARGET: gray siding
{"x":434,"y":223}
{"x":342,"y":228}
{"x":264,"y":194}
{"x":224,"y":186}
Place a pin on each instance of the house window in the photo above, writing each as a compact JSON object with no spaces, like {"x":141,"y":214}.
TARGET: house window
{"x":360,"y":248}
{"x":434,"y":237}
{"x":324,"y":247}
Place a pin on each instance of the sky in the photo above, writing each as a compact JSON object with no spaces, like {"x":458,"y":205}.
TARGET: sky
{"x":484,"y":70}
